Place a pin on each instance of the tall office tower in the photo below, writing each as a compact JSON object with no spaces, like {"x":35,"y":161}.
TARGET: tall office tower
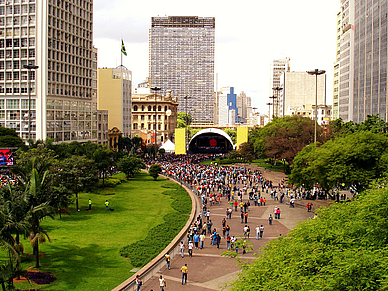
{"x":243,"y":106}
{"x":47,"y":46}
{"x":227,"y":106}
{"x":346,"y":69}
{"x":336,"y":78}
{"x":182,"y":60}
{"x":115,"y":95}
{"x":278,"y":68}
{"x":370,"y":59}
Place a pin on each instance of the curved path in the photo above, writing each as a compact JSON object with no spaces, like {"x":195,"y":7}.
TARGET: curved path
{"x":207,"y":269}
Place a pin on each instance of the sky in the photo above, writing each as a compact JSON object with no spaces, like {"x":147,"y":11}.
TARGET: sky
{"x":250,"y":34}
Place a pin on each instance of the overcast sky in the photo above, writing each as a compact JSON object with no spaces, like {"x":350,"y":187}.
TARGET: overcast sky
{"x":250,"y":34}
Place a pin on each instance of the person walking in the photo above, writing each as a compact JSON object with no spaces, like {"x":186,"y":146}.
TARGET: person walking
{"x":182,"y":247}
{"x":261,"y":231}
{"x":190,"y":248}
{"x":202,"y":240}
{"x":162,"y":283}
{"x":138,"y":282}
{"x":106,"y":205}
{"x":257,"y":232}
{"x":246,"y":217}
{"x":168,"y":260}
{"x":184,"y":271}
{"x":270,"y":218}
{"x":90,"y":204}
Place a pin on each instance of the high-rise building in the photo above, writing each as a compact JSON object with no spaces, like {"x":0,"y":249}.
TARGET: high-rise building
{"x":335,"y":110}
{"x":278,"y":68}
{"x":47,"y":46}
{"x":346,"y":68}
{"x":182,"y":60}
{"x":300,"y":88}
{"x":370,"y":59}
{"x":227,"y":106}
{"x":244,"y":107}
{"x":114,"y":94}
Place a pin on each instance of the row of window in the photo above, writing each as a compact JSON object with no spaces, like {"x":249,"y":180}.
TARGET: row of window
{"x":17,"y":20}
{"x":16,"y":42}
{"x":16,"y":104}
{"x":17,"y":9}
{"x":150,"y":126}
{"x":136,"y":108}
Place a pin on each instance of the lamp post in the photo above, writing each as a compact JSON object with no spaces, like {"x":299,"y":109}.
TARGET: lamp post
{"x":29,"y":68}
{"x":277,"y":89}
{"x":273,"y":106}
{"x":316,"y":72}
{"x":155,"y":89}
{"x":269,"y":109}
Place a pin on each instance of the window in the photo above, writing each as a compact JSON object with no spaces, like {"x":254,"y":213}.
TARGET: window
{"x":135,"y":108}
{"x":12,"y":103}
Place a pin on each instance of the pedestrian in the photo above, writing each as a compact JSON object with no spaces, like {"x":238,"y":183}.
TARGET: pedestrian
{"x":245,"y":230}
{"x":182,"y":247}
{"x":162,"y":283}
{"x":278,"y":212}
{"x":138,"y":282}
{"x":168,"y":260}
{"x":184,"y":271}
{"x":202,"y":240}
{"x":270,"y":218}
{"x":106,"y":205}
{"x":190,"y":248}
{"x":242,"y":217}
{"x":228,"y":242}
{"x":227,"y":229}
{"x":257,"y":232}
{"x":196,"y":240}
{"x":246,"y":217}
{"x":90,"y":204}
{"x":261,"y":231}
{"x":218,"y":240}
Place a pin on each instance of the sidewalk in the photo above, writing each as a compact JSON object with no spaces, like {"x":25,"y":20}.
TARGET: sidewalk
{"x":207,"y":269}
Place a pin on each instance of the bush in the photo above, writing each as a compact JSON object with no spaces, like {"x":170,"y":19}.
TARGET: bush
{"x":110,"y":182}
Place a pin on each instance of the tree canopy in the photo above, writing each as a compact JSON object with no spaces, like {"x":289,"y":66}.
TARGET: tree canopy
{"x":344,"y":248}
{"x":355,"y":159}
{"x":284,"y":137}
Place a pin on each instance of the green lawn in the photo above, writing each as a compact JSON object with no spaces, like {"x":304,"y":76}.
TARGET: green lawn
{"x":84,"y":251}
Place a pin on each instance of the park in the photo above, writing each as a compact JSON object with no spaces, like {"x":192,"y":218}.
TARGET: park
{"x":48,"y":228}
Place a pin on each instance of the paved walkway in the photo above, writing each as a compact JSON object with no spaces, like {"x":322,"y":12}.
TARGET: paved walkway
{"x":207,"y":269}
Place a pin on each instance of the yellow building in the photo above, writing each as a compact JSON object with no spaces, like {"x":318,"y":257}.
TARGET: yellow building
{"x":114,"y":86}
{"x":147,"y":106}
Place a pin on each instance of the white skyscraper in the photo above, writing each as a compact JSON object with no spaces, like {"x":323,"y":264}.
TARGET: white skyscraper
{"x":47,"y":46}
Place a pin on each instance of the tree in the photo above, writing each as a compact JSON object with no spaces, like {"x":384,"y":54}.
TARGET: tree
{"x":344,"y":248}
{"x":130,"y":165}
{"x":183,"y":119}
{"x":154,"y":171}
{"x":75,"y":174}
{"x":232,"y":133}
{"x":246,"y":152}
{"x":103,"y":159}
{"x":10,"y":138}
{"x":354,"y":159}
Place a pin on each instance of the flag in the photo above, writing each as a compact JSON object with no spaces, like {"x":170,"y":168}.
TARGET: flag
{"x":123,"y":48}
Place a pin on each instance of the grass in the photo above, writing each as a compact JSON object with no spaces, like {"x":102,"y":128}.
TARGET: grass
{"x":265,"y":164}
{"x":84,"y":251}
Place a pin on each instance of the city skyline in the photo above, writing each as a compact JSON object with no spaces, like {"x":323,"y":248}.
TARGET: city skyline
{"x":247,"y":40}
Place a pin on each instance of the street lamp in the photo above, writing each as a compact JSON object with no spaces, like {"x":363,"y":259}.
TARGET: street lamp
{"x":29,"y":68}
{"x":273,"y":106}
{"x":269,"y":109}
{"x":155,"y":89}
{"x":277,"y":89}
{"x":316,"y":72}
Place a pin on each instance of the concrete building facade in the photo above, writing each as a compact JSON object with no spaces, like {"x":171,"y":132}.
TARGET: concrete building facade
{"x":182,"y":60}
{"x":146,"y":107}
{"x":336,"y":73}
{"x":299,"y":89}
{"x":279,"y":67}
{"x":115,"y":95}
{"x":47,"y":46}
